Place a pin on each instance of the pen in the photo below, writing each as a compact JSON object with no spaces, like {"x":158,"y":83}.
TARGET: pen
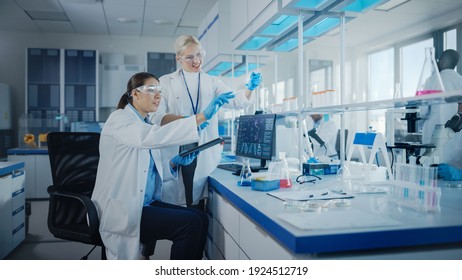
{"x":339,"y":192}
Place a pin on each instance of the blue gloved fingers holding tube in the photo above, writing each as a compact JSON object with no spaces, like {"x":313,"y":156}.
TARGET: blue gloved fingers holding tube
{"x":186,"y":160}
{"x":254,"y":81}
{"x":216,"y":104}
{"x":449,"y":173}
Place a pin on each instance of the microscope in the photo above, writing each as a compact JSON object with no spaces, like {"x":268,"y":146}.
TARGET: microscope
{"x":440,"y":136}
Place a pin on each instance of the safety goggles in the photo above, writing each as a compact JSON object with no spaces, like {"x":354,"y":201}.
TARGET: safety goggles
{"x":192,"y":57}
{"x":150,"y":89}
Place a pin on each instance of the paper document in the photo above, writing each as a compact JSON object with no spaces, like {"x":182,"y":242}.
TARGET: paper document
{"x":303,"y":195}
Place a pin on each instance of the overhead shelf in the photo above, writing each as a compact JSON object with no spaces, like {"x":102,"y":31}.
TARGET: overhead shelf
{"x":275,"y":27}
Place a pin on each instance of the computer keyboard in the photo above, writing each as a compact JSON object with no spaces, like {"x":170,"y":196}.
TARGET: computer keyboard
{"x":233,"y":167}
{"x":236,"y":167}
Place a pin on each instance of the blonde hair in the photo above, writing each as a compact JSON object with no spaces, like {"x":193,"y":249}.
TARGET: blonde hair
{"x":184,"y":41}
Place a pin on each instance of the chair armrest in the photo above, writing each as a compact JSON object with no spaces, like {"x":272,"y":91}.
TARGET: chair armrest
{"x":89,"y":207}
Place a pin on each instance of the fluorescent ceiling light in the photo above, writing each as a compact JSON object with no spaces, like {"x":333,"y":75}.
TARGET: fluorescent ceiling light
{"x":390,"y":5}
{"x":44,"y":15}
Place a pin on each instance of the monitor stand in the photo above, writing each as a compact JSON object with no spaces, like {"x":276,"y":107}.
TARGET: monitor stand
{"x":259,"y":168}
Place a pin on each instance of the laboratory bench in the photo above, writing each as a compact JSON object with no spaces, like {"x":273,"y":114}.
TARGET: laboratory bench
{"x":37,"y":167}
{"x":248,"y":224}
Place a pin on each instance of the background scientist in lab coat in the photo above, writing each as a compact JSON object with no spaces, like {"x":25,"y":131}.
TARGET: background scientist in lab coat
{"x":128,"y":186}
{"x":440,"y":114}
{"x":186,"y":92}
{"x":451,"y":168}
{"x":327,"y":131}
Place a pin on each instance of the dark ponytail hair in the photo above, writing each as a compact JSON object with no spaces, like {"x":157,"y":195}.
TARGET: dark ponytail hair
{"x":135,"y":81}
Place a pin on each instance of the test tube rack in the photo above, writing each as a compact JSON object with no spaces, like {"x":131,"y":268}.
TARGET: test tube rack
{"x":415,"y":187}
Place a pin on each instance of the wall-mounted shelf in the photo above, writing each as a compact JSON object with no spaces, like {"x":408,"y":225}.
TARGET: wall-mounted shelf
{"x":430,"y":99}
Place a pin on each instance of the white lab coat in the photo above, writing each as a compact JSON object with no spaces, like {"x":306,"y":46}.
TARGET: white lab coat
{"x":439,"y":114}
{"x":122,"y":175}
{"x":328,"y":131}
{"x":173,"y":89}
{"x":452,"y":152}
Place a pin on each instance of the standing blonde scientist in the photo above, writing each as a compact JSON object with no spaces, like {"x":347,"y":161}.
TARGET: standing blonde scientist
{"x":128,"y":186}
{"x":186,"y":92}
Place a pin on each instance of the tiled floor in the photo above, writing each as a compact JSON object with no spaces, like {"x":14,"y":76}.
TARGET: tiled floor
{"x":40,"y":244}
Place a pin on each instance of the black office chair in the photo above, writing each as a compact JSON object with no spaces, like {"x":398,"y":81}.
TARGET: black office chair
{"x":74,"y":160}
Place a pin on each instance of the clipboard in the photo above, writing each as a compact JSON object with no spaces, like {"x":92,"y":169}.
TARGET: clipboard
{"x":203,"y":146}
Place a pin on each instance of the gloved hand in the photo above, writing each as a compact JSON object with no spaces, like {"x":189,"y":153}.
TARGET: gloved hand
{"x":254,"y":81}
{"x":449,"y":173}
{"x":203,"y":125}
{"x":186,"y":160}
{"x":216,"y":104}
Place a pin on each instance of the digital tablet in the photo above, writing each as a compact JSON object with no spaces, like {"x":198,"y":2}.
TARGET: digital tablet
{"x":203,"y":146}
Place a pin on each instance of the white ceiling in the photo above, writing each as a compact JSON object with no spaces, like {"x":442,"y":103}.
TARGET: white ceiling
{"x":100,"y":16}
{"x":411,"y":19}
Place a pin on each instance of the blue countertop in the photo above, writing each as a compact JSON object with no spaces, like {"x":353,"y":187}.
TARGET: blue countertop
{"x":409,"y":228}
{"x":28,"y":151}
{"x":8,"y":167}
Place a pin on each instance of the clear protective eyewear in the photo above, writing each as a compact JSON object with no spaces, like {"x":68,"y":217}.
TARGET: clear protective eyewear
{"x":150,"y":89}
{"x":192,"y":57}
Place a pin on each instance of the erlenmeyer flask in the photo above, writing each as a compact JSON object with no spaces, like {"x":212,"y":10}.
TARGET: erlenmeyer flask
{"x":430,"y":78}
{"x":245,"y":179}
{"x":284,"y":173}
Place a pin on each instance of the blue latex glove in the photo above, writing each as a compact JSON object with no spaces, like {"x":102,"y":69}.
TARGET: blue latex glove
{"x":203,"y":125}
{"x":449,"y":173}
{"x":255,"y":80}
{"x":186,"y":160}
{"x":216,"y":104}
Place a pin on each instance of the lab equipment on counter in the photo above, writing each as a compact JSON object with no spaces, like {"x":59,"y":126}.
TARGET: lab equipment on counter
{"x":430,"y":78}
{"x":320,"y":168}
{"x":264,"y":182}
{"x":376,"y":143}
{"x":281,"y":169}
{"x":415,"y":186}
{"x":245,"y":179}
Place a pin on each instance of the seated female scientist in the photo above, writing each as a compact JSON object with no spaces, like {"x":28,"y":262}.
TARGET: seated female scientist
{"x":129,"y":178}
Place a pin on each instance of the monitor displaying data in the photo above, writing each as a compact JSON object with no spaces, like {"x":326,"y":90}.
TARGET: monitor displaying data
{"x":255,"y":136}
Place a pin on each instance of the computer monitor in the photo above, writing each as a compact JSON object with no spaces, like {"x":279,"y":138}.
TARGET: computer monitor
{"x":255,"y":137}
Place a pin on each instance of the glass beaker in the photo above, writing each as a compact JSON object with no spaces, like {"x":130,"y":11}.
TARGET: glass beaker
{"x":430,"y":78}
{"x":245,"y":179}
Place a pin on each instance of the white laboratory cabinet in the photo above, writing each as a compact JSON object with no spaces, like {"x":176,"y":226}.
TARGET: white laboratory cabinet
{"x":12,"y":206}
{"x":233,"y":236}
{"x":37,"y":166}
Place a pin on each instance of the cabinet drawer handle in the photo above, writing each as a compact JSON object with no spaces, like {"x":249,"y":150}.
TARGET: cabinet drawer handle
{"x":18,"y":228}
{"x":17,"y":173}
{"x":18,"y":192}
{"x":15,"y":212}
